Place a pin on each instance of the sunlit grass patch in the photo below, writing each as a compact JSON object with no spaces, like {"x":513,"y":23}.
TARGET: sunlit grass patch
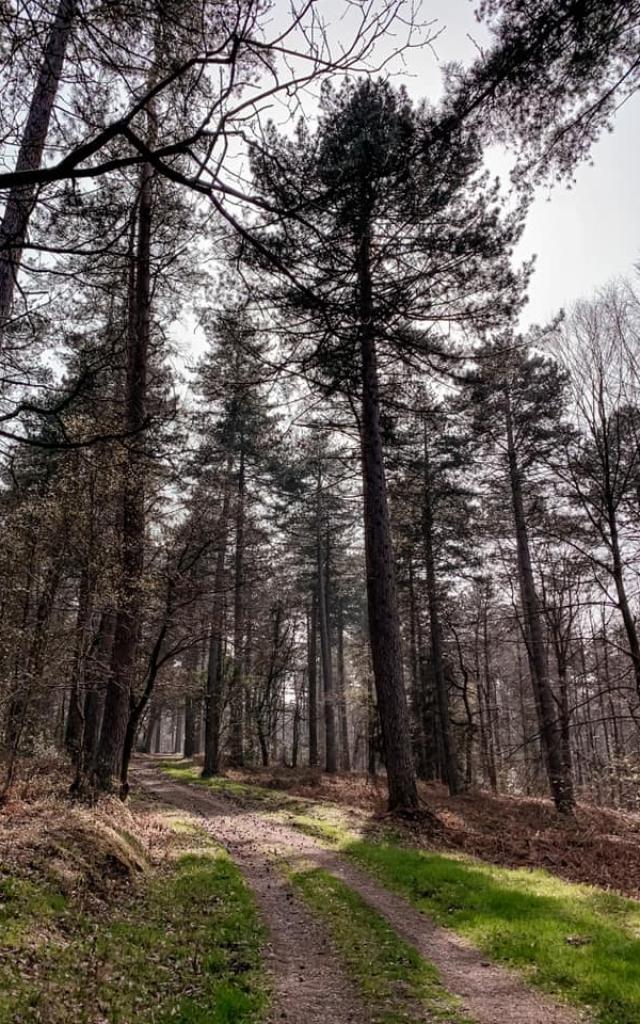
{"x":328,"y":822}
{"x":572,"y":940}
{"x":186,"y":771}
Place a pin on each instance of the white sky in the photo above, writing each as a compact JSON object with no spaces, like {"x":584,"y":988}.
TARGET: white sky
{"x":582,"y":236}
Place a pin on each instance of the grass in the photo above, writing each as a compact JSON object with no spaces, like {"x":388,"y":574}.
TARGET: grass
{"x":396,"y":983}
{"x":184,"y":949}
{"x":22,"y":901}
{"x":186,"y":771}
{"x":574,"y":941}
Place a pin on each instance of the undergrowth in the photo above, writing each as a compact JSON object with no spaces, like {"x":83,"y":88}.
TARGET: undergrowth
{"x":183,"y":946}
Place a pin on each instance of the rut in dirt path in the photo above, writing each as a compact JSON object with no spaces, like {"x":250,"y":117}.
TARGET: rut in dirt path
{"x":309,"y":983}
{"x":490,"y":994}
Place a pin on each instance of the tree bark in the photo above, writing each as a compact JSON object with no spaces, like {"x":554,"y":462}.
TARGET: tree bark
{"x":21,"y":200}
{"x":236,"y":702}
{"x":560,"y":782}
{"x":73,"y":738}
{"x":449,"y":761}
{"x":189,"y":727}
{"x":312,"y":679}
{"x":129,"y":613}
{"x":331,"y":761}
{"x":382,"y":598}
{"x":214,"y":695}
{"x":345,"y":757}
{"x":417,"y":697}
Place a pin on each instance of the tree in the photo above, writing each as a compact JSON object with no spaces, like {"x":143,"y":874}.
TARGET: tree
{"x":433,"y":512}
{"x":380,"y":185}
{"x":597,"y":342}
{"x":553,"y":77}
{"x":519,"y":402}
{"x":237,"y":431}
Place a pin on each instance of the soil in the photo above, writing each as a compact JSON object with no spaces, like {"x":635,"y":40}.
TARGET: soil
{"x":309,"y":982}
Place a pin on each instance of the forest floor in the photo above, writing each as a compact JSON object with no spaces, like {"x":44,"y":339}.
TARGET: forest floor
{"x":597,"y":846}
{"x":579,"y":943}
{"x":121,"y":915}
{"x":280,"y":896}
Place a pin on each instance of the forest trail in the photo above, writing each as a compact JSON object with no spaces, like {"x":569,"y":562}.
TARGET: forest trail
{"x":309,"y":982}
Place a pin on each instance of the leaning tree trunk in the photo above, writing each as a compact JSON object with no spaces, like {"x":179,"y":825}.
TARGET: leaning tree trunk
{"x":21,"y":199}
{"x":560,"y":781}
{"x":129,"y":613}
{"x":382,"y":597}
{"x":449,"y":761}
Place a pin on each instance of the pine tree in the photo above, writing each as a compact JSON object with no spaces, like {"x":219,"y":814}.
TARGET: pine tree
{"x":380,"y":186}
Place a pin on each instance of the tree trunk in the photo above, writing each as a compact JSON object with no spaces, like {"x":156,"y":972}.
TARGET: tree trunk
{"x":345,"y":758}
{"x":372,"y":718}
{"x":312,"y":678}
{"x":297,"y":717}
{"x":489,"y":704}
{"x":97,"y":671}
{"x":382,"y":598}
{"x":214,"y":696}
{"x":129,"y":613}
{"x":236,"y":702}
{"x":628,"y":619}
{"x":331,"y":761}
{"x":75,"y":717}
{"x":27,"y":690}
{"x":560,"y":782}
{"x":449,"y":760}
{"x":417,"y":697}
{"x":21,"y":199}
{"x":189,"y":727}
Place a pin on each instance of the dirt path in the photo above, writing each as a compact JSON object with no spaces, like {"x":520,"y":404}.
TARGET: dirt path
{"x":308,"y":977}
{"x":309,"y":983}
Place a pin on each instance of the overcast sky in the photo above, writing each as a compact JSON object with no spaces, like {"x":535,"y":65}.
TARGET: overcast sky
{"x":582,"y":236}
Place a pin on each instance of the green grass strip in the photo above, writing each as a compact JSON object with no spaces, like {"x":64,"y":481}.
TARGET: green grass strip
{"x":185,"y":951}
{"x":573,"y":940}
{"x":326,"y":822}
{"x":396,"y":983}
